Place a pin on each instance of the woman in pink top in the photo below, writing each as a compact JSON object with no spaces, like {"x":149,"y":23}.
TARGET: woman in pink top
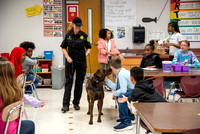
{"x":107,"y":48}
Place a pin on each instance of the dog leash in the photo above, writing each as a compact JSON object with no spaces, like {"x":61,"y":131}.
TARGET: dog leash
{"x":90,"y":65}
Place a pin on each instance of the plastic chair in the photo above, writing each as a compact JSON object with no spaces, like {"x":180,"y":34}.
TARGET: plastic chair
{"x":21,"y":79}
{"x":159,"y":84}
{"x":31,"y":82}
{"x":192,"y":131}
{"x":191,"y":88}
{"x":11,"y":113}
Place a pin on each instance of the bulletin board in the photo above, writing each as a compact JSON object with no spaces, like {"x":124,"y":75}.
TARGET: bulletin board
{"x":120,"y":12}
{"x":52,"y":18}
{"x":187,"y":13}
{"x":120,"y":17}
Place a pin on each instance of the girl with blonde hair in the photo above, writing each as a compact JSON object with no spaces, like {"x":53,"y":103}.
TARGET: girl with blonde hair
{"x":10,"y":92}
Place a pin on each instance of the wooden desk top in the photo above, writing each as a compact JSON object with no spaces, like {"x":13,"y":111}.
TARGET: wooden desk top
{"x":160,"y":72}
{"x":170,"y":117}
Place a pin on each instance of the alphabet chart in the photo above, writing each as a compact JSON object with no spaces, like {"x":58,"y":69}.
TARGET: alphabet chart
{"x":187,"y":13}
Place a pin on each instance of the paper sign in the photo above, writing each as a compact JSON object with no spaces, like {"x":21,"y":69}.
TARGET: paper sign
{"x":34,"y":10}
{"x":72,"y":12}
{"x":39,"y":9}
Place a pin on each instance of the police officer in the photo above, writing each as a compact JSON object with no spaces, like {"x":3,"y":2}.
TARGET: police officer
{"x":76,"y":46}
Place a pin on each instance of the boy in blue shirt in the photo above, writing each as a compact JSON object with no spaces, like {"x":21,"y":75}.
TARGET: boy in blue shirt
{"x":123,"y":86}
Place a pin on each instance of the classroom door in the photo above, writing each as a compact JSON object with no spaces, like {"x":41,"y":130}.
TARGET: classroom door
{"x":95,"y":6}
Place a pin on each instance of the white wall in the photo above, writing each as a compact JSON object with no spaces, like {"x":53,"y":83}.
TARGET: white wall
{"x":152,"y":9}
{"x":15,"y":28}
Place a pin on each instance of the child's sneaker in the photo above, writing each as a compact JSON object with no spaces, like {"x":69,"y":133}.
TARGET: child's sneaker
{"x":174,"y":92}
{"x":107,"y":88}
{"x":123,"y":127}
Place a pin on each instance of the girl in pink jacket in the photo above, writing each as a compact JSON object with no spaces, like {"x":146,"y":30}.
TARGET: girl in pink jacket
{"x":107,"y":48}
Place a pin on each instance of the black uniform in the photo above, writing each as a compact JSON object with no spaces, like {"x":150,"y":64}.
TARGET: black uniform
{"x":151,"y":60}
{"x":76,"y":45}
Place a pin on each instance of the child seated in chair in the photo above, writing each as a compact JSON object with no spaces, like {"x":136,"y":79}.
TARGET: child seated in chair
{"x":17,"y":57}
{"x":10,"y":92}
{"x":144,"y":89}
{"x":28,"y":65}
{"x":26,"y":98}
{"x":151,"y":59}
{"x":185,"y":56}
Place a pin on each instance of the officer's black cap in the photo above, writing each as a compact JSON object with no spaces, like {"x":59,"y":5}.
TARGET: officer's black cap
{"x":77,"y":21}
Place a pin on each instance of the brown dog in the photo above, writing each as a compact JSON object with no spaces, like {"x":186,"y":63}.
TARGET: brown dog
{"x":95,"y":91}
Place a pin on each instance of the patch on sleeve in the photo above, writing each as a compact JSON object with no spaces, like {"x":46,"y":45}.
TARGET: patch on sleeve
{"x":88,"y":39}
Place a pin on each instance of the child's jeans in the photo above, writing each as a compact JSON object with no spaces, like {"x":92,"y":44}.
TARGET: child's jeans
{"x":124,"y":112}
{"x":28,"y":78}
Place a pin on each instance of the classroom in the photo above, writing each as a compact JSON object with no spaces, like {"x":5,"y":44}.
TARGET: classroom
{"x":63,"y":47}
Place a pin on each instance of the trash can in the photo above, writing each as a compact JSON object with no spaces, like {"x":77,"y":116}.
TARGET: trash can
{"x":58,"y":74}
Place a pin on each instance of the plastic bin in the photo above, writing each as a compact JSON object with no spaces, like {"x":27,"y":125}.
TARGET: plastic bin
{"x":48,"y":55}
{"x":177,"y":68}
{"x":167,"y":66}
{"x":45,"y":65}
{"x":58,"y":75}
{"x":5,"y":55}
{"x":185,"y":68}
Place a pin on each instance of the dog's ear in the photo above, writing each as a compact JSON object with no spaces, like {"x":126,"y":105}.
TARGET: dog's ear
{"x":108,"y":71}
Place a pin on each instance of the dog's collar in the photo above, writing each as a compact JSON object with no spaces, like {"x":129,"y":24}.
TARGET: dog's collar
{"x":95,"y":79}
{"x":94,"y":88}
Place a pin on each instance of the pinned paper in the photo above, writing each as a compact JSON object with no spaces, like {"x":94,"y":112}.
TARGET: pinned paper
{"x":39,"y":9}
{"x":34,"y":10}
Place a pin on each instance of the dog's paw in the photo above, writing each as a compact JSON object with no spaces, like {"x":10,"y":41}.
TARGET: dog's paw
{"x":101,"y":113}
{"x":90,"y":122}
{"x":88,"y":113}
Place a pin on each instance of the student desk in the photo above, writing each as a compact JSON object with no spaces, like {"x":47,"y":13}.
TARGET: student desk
{"x":168,"y":117}
{"x":160,"y":72}
{"x":169,"y":76}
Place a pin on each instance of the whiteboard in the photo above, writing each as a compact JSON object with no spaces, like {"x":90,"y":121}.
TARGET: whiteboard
{"x":120,"y":12}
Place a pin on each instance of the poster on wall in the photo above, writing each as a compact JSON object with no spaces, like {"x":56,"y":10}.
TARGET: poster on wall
{"x":72,"y":12}
{"x":52,"y":18}
{"x":120,"y":32}
{"x":187,"y":14}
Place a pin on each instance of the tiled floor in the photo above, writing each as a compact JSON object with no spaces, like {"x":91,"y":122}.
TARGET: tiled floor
{"x":50,"y":120}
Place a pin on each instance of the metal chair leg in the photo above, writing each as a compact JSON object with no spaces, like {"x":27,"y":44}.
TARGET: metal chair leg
{"x":180,"y":100}
{"x":32,"y":90}
{"x":173,"y":98}
{"x":115,"y":103}
{"x":35,"y":92}
{"x":171,"y":86}
{"x":26,"y":116}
